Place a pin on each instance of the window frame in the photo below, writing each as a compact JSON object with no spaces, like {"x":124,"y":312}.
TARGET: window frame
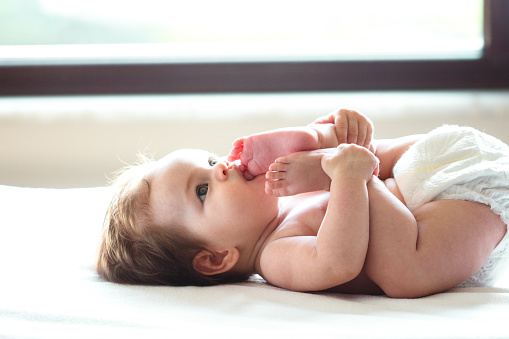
{"x":490,"y":71}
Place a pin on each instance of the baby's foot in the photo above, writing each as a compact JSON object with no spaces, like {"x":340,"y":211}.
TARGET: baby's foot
{"x":297,"y":173}
{"x":258,"y":151}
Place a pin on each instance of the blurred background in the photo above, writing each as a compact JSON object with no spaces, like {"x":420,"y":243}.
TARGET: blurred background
{"x":80,"y":141}
{"x":85,"y":86}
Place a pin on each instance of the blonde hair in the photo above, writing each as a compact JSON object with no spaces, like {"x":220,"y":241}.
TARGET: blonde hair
{"x":134,"y":250}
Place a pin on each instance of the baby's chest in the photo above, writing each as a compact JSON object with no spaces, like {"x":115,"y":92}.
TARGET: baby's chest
{"x":308,"y":214}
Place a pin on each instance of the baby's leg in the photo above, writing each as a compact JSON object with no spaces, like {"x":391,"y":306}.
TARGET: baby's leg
{"x":437,"y":247}
{"x":258,"y":151}
{"x":297,"y":173}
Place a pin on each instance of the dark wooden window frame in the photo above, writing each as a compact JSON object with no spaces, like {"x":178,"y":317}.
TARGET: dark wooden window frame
{"x":490,"y":71}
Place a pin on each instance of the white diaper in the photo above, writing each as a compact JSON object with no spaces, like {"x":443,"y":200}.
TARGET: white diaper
{"x":460,"y":163}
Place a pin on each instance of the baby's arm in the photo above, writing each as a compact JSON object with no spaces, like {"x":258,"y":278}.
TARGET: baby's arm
{"x":337,"y":253}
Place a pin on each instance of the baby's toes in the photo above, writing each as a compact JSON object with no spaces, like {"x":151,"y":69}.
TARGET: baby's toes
{"x":238,"y":143}
{"x":275,"y":175}
{"x":277,"y":188}
{"x":234,"y":154}
{"x":279,"y":166}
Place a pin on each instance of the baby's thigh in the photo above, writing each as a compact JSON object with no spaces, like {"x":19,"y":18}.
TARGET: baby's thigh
{"x":456,"y":237}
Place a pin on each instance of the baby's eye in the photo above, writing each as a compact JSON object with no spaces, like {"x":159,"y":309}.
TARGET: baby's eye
{"x":213,"y":161}
{"x":201,"y":192}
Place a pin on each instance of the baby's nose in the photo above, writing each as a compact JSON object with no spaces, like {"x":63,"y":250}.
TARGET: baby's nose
{"x":221,"y":169}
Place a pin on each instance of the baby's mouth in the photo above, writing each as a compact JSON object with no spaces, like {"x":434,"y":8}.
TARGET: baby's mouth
{"x":247,"y":176}
{"x":243,"y":171}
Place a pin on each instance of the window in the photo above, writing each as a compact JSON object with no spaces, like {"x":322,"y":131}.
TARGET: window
{"x":108,"y":46}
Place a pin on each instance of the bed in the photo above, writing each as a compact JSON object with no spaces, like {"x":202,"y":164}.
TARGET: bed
{"x":49,"y":289}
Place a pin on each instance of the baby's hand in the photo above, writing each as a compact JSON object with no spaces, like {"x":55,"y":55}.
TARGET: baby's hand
{"x":350,"y":160}
{"x":352,"y":127}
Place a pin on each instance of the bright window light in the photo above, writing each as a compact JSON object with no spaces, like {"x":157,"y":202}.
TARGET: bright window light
{"x":99,"y":31}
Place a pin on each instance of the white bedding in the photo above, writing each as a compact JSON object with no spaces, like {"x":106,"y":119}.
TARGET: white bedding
{"x":50,"y":290}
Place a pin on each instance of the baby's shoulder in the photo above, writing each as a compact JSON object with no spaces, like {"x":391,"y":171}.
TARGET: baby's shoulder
{"x":303,"y":216}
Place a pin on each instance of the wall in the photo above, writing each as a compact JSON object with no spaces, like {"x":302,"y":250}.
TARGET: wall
{"x":79,"y":141}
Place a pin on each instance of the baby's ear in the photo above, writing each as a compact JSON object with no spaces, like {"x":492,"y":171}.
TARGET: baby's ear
{"x":215,"y":262}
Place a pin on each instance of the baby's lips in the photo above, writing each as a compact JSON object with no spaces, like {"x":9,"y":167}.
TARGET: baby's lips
{"x":238,"y":163}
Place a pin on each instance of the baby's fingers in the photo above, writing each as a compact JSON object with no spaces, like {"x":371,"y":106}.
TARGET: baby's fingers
{"x":341,"y":124}
{"x":365,"y":132}
{"x":353,"y":127}
{"x":350,"y":160}
{"x":369,"y":136}
{"x":347,"y":127}
{"x":354,"y":132}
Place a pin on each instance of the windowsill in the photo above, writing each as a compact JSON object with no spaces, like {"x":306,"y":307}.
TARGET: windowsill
{"x":150,"y":53}
{"x":219,"y":107}
{"x":78,"y":141}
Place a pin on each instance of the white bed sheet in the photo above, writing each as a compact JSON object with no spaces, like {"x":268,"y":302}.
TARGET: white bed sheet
{"x":48,"y":289}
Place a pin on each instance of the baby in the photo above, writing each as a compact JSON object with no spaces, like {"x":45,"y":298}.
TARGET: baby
{"x":191,"y":218}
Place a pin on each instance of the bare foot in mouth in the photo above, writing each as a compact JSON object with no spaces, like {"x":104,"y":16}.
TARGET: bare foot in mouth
{"x":258,"y":151}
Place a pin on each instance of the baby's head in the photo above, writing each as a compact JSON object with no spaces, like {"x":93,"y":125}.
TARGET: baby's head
{"x":187,"y":219}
